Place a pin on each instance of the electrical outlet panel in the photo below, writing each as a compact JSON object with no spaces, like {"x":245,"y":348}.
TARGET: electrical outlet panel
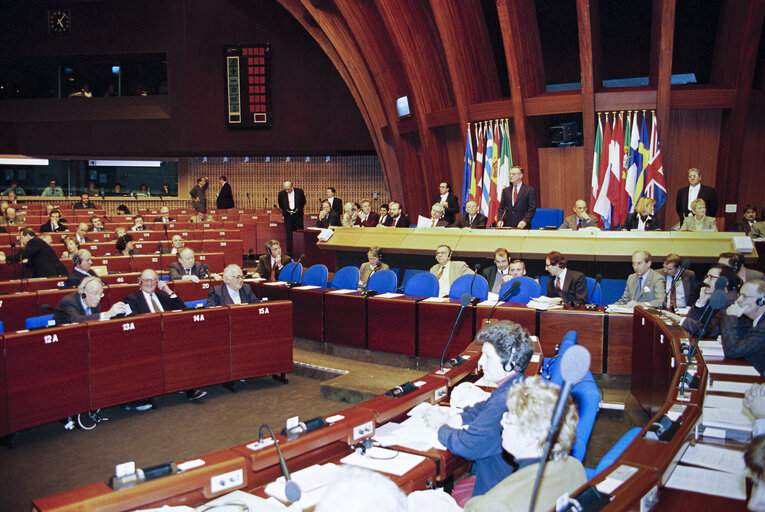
{"x":227,"y":481}
{"x":363,"y":430}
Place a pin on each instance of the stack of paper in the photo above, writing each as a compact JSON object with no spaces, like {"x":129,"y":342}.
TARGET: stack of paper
{"x":544,"y":303}
{"x":726,"y":418}
{"x":711,"y":348}
{"x":614,"y":308}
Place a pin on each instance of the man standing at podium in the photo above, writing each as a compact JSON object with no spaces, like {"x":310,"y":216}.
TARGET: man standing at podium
{"x":519,"y":202}
{"x":446,"y":270}
{"x":291,"y":202}
{"x":743,"y":326}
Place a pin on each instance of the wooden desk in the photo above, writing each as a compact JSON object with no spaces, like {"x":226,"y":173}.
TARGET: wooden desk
{"x":435,"y":321}
{"x":304,"y":242}
{"x":554,"y":324}
{"x":345,"y":319}
{"x":274,"y":290}
{"x":266,"y":349}
{"x":392,"y":324}
{"x":309,"y":302}
{"x":515,"y":312}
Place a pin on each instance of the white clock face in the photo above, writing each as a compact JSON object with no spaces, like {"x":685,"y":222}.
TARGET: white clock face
{"x":59,"y":21}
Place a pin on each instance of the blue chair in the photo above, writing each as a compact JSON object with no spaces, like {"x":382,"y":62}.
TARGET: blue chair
{"x":291,"y":272}
{"x":347,"y":278}
{"x":423,"y":284}
{"x":614,"y":453}
{"x":585,"y":394}
{"x":545,"y":217}
{"x":397,"y":271}
{"x":36,"y":322}
{"x":612,"y":290}
{"x":383,"y":281}
{"x":410,"y":273}
{"x":529,"y":289}
{"x":193,"y":304}
{"x":315,"y":275}
{"x":2,"y":328}
{"x":593,"y":296}
{"x":165,"y":277}
{"x":461,"y":286}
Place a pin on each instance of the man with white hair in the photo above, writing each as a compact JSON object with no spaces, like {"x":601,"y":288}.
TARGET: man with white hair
{"x":233,"y":290}
{"x":82,"y":305}
{"x":437,"y":220}
{"x":164,"y":215}
{"x":81,"y":233}
{"x":82,"y":260}
{"x":187,"y":269}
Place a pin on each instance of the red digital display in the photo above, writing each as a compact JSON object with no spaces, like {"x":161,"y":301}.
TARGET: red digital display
{"x":248,"y":86}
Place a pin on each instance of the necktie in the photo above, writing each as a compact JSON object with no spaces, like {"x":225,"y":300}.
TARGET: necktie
{"x":88,"y":311}
{"x":557,"y":283}
{"x":155,"y":304}
{"x":471,"y":221}
{"x":188,"y":271}
{"x":579,"y":223}
{"x":433,"y":223}
{"x":673,"y":297}
{"x":515,"y":194}
{"x":440,"y":272}
{"x":640,"y":288}
{"x":273,"y":272}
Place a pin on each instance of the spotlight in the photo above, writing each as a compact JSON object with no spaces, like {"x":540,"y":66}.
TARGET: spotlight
{"x":308,"y":159}
{"x":327,"y":159}
{"x":225,"y":159}
{"x":204,"y":159}
{"x":247,"y":159}
{"x":288,"y":159}
{"x":268,"y":159}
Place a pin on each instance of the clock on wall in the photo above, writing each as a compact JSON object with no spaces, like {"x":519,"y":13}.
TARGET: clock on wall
{"x":59,"y":21}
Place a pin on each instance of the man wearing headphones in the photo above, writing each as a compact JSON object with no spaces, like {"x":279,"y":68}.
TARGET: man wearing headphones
{"x":187,"y":269}
{"x":476,"y":434}
{"x":735,"y":260}
{"x":446,"y":270}
{"x":82,"y":305}
{"x":82,"y":260}
{"x":743,"y":326}
{"x":271,"y":263}
{"x":569,"y":285}
{"x":645,"y":286}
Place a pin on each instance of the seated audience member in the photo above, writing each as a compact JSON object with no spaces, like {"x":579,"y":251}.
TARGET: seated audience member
{"x":569,"y":285}
{"x":123,"y":210}
{"x":754,"y":458}
{"x":84,"y":203}
{"x":124,"y":246}
{"x":96,"y":224}
{"x":166,"y":190}
{"x":41,"y":259}
{"x":437,"y":219}
{"x":187,"y":269}
{"x":518,"y":268}
{"x":735,"y":260}
{"x":82,"y":261}
{"x":448,"y":201}
{"x":327,"y":216}
{"x":176,"y":244}
{"x":54,"y":223}
{"x":164,"y":215}
{"x":476,"y":434}
{"x":52,"y":190}
{"x":645,"y":286}
{"x":471,"y":219}
{"x":137,"y":224}
{"x":499,"y":273}
{"x":747,"y":222}
{"x":367,"y":218}
{"x":201,"y":216}
{"x":580,"y":219}
{"x":699,"y":221}
{"x":14,"y":189}
{"x":81,"y":235}
{"x":272,"y":263}
{"x":677,"y":295}
{"x":371,"y":266}
{"x":120,"y":231}
{"x":743,"y":327}
{"x":525,"y":426}
{"x":758,"y":230}
{"x":13,"y":198}
{"x":642,"y":218}
{"x":70,"y":247}
{"x":350,"y":214}
{"x":12,"y":217}
{"x":396,"y":217}
{"x":118,"y":190}
{"x":233,"y":290}
{"x":82,"y":305}
{"x":383,"y":215}
{"x":446,"y":270}
{"x":3,"y":207}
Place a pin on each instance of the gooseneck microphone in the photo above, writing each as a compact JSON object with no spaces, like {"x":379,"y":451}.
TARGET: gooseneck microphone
{"x":291,"y":488}
{"x":292,"y":273}
{"x":716,"y":302}
{"x":206,"y":270}
{"x":475,"y":273}
{"x":574,"y":365}
{"x":465,"y":300}
{"x":720,"y":285}
{"x":514,"y":287}
{"x":685,"y":266}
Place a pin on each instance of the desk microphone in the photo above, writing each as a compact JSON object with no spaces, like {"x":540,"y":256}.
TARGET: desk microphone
{"x":676,"y":278}
{"x":291,"y":488}
{"x":292,"y":273}
{"x":598,"y":279}
{"x":475,"y":273}
{"x":720,"y":285}
{"x":716,"y":302}
{"x":465,"y":300}
{"x":514,"y":287}
{"x":206,"y":270}
{"x":574,"y":365}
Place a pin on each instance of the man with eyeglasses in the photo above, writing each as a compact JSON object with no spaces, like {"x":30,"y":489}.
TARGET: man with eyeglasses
{"x":743,"y":326}
{"x":232,"y":291}
{"x":83,"y":304}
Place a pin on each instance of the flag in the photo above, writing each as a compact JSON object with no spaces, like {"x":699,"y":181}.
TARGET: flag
{"x":478,"y":167}
{"x":468,"y":179}
{"x":640,"y":183}
{"x":506,"y":162}
{"x":657,"y":189}
{"x":616,"y":161}
{"x":624,"y":198}
{"x":602,"y":206}
{"x":595,"y":182}
{"x":493,"y":193}
{"x":488,"y":158}
{"x":634,"y":165}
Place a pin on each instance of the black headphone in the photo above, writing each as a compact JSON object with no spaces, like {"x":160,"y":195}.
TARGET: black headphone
{"x":561,"y":264}
{"x":511,"y":362}
{"x":268,"y":248}
{"x":76,"y":259}
{"x":760,"y":301}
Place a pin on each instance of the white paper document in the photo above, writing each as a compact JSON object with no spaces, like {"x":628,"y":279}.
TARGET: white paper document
{"x":707,"y":481}
{"x":733,"y":369}
{"x":389,"y":295}
{"x":341,"y":292}
{"x":436,"y":299}
{"x":715,"y":457}
{"x":384,"y":460}
{"x":312,"y":481}
{"x":711,"y":348}
{"x":726,"y":418}
{"x":723,"y":402}
{"x":307,"y":287}
{"x":727,"y":386}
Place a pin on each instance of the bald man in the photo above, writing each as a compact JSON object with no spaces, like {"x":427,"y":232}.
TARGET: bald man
{"x":580,"y":219}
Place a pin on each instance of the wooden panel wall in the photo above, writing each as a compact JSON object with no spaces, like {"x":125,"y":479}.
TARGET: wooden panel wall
{"x":563,"y":178}
{"x":753,"y":191}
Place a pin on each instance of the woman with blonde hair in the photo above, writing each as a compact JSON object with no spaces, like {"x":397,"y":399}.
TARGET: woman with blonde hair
{"x":642,"y":218}
{"x":699,"y":220}
{"x":370,"y":267}
{"x":350,"y":213}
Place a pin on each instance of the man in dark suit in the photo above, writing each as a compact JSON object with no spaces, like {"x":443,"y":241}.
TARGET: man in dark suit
{"x":743,"y":326}
{"x":85,"y":203}
{"x":396,"y":217}
{"x":448,"y":200}
{"x":164,"y":215}
{"x":225,"y":199}
{"x":695,"y":190}
{"x":437,"y":213}
{"x":471,"y":219}
{"x":518,"y":204}
{"x":569,"y":285}
{"x":746,"y":224}
{"x":187,"y":269}
{"x":82,"y":260}
{"x":499,"y":273}
{"x":41,"y":259}
{"x":327,"y":216}
{"x":272,"y":263}
{"x":383,"y":220}
{"x":291,"y":202}
{"x":678,"y":295}
{"x":334,"y":202}
{"x":54,"y":223}
{"x":83,"y":304}
{"x":233,"y":290}
{"x":198,"y":195}
{"x":367,"y":218}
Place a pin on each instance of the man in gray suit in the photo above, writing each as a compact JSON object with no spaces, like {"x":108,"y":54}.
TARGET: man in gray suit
{"x":645,"y":286}
{"x":446,"y":270}
{"x":232,"y":291}
{"x":580,"y":219}
{"x":82,"y":305}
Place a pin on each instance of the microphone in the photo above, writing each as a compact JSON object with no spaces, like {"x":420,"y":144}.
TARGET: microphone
{"x":250,"y":257}
{"x":574,"y":365}
{"x":289,"y":283}
{"x":164,"y":226}
{"x":475,"y":273}
{"x":206,"y":269}
{"x":598,"y":279}
{"x":464,"y":301}
{"x":514,"y":287}
{"x":291,"y":488}
{"x":716,"y":302}
{"x":685,"y":266}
